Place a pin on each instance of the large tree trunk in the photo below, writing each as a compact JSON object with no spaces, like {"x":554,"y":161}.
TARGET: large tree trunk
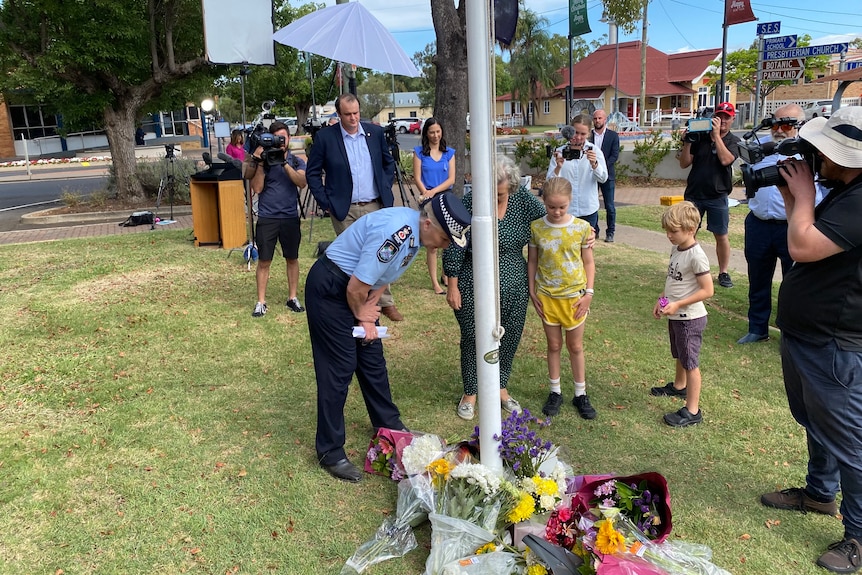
{"x":120,"y":129}
{"x":451,"y":93}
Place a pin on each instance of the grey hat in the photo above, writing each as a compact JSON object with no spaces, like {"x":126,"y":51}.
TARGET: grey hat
{"x":839,"y":138}
{"x":450,"y":213}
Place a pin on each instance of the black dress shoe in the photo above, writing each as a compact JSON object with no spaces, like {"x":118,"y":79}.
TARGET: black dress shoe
{"x":343,"y":470}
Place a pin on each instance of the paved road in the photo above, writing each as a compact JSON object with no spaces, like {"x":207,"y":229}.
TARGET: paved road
{"x":21,"y":197}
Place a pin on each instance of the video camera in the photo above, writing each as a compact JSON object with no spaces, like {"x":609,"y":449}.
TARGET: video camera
{"x":696,"y":128}
{"x":391,"y":133}
{"x":753,"y":151}
{"x":169,"y":151}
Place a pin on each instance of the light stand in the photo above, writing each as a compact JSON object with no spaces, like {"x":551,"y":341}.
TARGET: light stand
{"x":250,"y":249}
{"x":207,"y":106}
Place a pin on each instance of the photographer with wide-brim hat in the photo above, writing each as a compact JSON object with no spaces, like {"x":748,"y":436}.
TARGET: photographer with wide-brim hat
{"x":342,"y":295}
{"x":820,"y":316}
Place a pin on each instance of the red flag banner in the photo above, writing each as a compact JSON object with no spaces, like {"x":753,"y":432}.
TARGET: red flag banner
{"x":737,"y":12}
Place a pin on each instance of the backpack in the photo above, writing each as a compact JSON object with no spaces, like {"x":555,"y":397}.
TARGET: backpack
{"x":139,"y":219}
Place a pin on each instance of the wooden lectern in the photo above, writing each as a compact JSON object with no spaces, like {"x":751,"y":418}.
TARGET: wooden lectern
{"x":218,"y":207}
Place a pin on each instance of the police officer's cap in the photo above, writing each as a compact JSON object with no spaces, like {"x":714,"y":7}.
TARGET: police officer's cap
{"x":452,"y":216}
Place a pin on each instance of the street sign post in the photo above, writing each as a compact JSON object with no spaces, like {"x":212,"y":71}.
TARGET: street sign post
{"x":793,"y":64}
{"x":765,"y":28}
{"x":806,"y":52}
{"x":779,"y":43}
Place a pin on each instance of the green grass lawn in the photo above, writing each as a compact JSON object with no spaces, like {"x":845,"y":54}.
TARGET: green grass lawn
{"x":149,"y":424}
{"x":649,"y":218}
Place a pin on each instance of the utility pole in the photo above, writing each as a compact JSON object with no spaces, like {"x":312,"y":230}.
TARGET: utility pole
{"x":642,"y":113}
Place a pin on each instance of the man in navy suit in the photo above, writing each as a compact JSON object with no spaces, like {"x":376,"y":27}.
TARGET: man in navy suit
{"x":609,"y":143}
{"x":359,"y":174}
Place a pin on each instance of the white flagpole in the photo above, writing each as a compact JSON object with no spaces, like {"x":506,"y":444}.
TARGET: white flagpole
{"x":484,"y":230}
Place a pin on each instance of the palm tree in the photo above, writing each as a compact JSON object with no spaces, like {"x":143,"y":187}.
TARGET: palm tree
{"x":533,"y":65}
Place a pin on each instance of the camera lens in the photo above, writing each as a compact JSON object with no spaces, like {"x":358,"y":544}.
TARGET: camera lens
{"x":756,"y":179}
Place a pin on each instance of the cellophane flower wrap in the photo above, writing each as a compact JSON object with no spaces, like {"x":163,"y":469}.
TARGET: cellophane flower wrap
{"x":394,"y":538}
{"x":472,"y":504}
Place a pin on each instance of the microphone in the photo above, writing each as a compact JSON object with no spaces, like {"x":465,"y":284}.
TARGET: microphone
{"x":230,"y":160}
{"x":208,"y":160}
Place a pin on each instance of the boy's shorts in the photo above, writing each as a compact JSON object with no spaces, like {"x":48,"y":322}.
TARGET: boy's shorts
{"x":686,"y":337}
{"x":285,"y":231}
{"x":717,"y":214}
{"x":561,"y":311}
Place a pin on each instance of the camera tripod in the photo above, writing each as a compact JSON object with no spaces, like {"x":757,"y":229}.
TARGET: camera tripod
{"x":394,"y":150}
{"x":168,"y":182}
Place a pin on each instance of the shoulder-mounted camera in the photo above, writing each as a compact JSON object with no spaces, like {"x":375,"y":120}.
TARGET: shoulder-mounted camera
{"x":753,"y":151}
{"x":696,"y":128}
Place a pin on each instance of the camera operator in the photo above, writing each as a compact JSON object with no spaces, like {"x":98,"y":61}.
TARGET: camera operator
{"x":820,"y":316}
{"x":583,"y":165}
{"x":276,"y":176}
{"x":766,"y":230}
{"x":710,"y":156}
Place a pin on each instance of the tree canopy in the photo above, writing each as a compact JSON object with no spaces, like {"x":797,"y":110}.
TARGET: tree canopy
{"x":104,"y":62}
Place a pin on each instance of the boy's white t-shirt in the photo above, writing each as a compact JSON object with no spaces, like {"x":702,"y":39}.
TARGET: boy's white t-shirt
{"x":682,"y":272}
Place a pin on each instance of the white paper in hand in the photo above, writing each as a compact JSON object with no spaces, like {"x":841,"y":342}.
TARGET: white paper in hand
{"x":359,"y":331}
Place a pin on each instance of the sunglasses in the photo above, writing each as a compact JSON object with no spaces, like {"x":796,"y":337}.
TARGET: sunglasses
{"x":784,"y":127}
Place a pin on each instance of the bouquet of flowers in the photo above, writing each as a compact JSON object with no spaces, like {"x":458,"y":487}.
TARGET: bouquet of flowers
{"x":522,"y":450}
{"x":472,"y":500}
{"x":644,"y":499}
{"x":385,"y":454}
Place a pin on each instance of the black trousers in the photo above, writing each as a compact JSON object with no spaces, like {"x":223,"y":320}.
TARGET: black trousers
{"x":337,"y":357}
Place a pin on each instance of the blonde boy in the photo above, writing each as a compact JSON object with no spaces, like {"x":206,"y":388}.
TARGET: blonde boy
{"x":560,"y":272}
{"x":688,"y":283}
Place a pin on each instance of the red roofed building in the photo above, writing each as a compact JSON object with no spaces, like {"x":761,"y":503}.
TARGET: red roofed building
{"x":674,"y":81}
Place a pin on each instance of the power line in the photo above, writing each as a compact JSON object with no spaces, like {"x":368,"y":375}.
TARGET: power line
{"x":681,"y":35}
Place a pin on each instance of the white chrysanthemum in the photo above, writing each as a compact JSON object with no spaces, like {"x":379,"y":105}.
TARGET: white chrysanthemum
{"x":528,"y":485}
{"x":420,"y":453}
{"x":478,"y":475}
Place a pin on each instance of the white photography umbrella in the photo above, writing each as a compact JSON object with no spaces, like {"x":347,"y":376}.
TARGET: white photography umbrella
{"x":348,"y":33}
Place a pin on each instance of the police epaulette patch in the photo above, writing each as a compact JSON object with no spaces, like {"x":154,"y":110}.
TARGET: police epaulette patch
{"x":401,"y":235}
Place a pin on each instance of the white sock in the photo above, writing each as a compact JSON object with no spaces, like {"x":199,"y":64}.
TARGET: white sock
{"x":580,"y":388}
{"x":555,"y":386}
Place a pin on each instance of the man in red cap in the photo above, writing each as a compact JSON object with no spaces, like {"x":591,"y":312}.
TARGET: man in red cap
{"x":710,"y":155}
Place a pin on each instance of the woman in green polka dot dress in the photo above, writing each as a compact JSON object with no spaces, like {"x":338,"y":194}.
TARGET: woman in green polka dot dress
{"x":516,"y":208}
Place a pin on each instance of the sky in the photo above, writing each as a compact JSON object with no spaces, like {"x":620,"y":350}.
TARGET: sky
{"x":674,"y":25}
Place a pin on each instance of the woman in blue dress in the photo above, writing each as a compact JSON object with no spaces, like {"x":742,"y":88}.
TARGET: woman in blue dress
{"x":434,"y":172}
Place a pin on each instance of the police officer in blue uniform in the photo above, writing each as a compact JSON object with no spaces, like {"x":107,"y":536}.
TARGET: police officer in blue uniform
{"x":342,"y":292}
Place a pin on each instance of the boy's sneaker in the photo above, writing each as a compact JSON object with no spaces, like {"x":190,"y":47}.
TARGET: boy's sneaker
{"x":466,"y":410}
{"x":796,"y":499}
{"x":669,"y":390}
{"x":510,"y":405}
{"x":584,"y":407}
{"x":294,"y":305}
{"x":259,"y":310}
{"x":553,"y":403}
{"x":842,"y":557}
{"x":683,"y":417}
{"x":724,"y":280}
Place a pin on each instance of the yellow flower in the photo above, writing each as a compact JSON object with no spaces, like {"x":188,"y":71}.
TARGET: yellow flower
{"x":486,"y":548}
{"x":440,"y":470}
{"x":537,"y":570}
{"x":523,"y":510}
{"x":545,"y":486}
{"x":608,"y":539}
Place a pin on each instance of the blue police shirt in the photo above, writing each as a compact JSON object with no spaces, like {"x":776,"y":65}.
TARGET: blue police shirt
{"x":378,"y":247}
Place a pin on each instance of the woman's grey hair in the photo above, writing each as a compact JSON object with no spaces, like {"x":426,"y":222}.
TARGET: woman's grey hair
{"x":508,"y":172}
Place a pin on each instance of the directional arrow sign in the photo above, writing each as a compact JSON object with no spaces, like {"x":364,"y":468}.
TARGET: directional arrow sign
{"x":794,"y":64}
{"x":779,"y":43}
{"x":781,"y":75}
{"x":807,"y":52}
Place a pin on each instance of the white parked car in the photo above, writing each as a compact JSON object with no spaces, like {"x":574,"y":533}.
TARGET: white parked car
{"x":291,"y":124}
{"x":818,"y":108}
{"x":403,"y":124}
